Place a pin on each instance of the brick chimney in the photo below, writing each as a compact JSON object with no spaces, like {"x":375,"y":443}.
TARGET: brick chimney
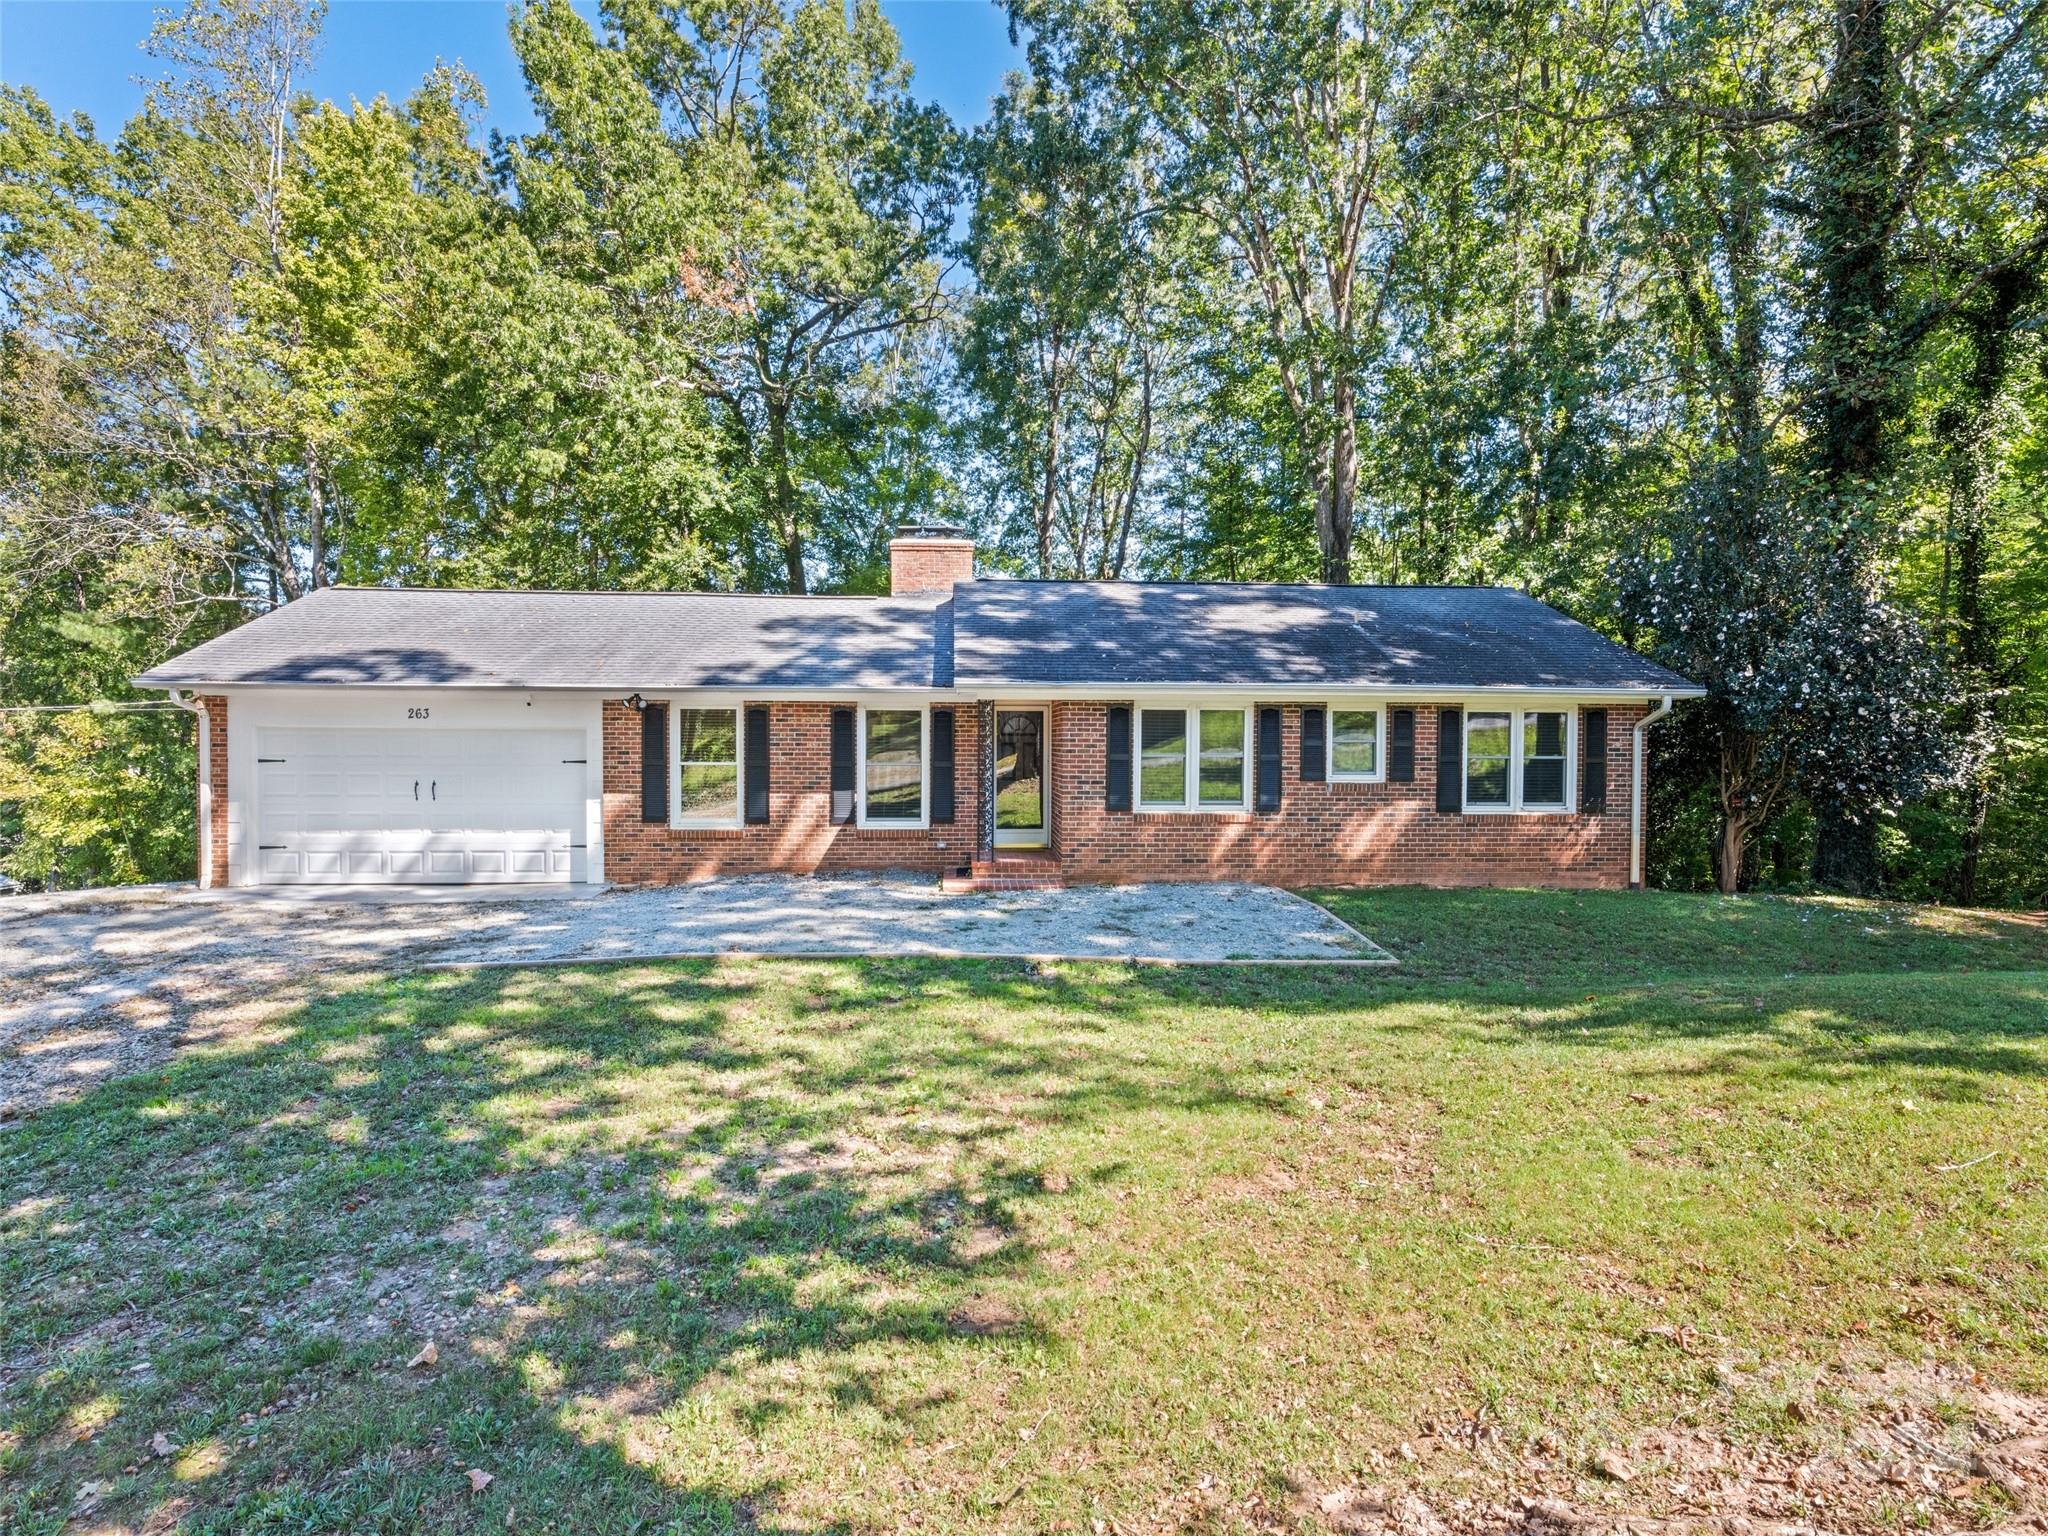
{"x":929,"y":557}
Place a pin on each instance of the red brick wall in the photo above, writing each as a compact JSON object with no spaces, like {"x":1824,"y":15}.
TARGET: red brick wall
{"x":929,"y":565}
{"x":214,"y":761}
{"x":799,"y":836}
{"x":1334,"y":834}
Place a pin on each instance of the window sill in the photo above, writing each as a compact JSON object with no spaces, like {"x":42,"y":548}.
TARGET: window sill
{"x":1358,"y":778}
{"x":1194,"y":810}
{"x":1518,"y":810}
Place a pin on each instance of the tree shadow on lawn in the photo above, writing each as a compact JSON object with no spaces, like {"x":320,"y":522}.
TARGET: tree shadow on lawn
{"x":657,"y":1218}
{"x":641,"y":1223}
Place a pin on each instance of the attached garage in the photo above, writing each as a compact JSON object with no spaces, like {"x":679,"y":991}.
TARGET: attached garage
{"x":422,"y":806}
{"x":405,"y":786}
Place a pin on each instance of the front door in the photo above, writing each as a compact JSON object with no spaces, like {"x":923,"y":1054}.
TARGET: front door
{"x":1021,"y":778}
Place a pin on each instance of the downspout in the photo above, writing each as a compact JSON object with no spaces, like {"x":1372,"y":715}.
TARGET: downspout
{"x":205,"y":718}
{"x":1635,"y":795}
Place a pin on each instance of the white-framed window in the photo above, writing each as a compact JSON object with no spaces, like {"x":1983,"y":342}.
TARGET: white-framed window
{"x":1519,"y":759}
{"x":895,"y":767}
{"x":1193,"y":759}
{"x":707,"y":792}
{"x":1357,"y":743}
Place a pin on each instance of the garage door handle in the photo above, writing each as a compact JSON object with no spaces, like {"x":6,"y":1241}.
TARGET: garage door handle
{"x":415,"y":789}
{"x":434,"y":790}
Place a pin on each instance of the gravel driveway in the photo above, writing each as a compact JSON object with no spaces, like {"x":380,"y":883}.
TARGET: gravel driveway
{"x":104,"y":983}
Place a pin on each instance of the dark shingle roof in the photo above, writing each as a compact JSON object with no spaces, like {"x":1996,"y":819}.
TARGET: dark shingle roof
{"x":411,"y":637}
{"x":1022,"y":633}
{"x":989,"y":634}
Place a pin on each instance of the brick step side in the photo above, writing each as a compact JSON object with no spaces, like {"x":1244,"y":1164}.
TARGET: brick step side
{"x":1032,"y":871}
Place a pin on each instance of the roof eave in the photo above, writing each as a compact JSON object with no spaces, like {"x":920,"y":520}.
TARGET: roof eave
{"x":1018,"y":687}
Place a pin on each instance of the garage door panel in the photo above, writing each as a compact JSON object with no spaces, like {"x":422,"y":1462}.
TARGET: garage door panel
{"x":371,"y":806}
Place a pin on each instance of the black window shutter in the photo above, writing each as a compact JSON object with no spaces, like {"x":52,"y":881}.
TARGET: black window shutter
{"x":1117,"y":776}
{"x":1315,"y":755}
{"x":1450,"y":760}
{"x":654,"y":763}
{"x":1593,"y":762}
{"x":942,"y":765}
{"x":757,"y":763}
{"x":1269,"y":759}
{"x":1401,"y":750}
{"x":842,"y":765}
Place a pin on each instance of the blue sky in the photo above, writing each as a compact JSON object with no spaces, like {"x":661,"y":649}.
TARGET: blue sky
{"x":84,"y":55}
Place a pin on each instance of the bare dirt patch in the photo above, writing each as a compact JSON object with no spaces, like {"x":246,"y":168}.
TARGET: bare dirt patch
{"x":1865,"y":1448}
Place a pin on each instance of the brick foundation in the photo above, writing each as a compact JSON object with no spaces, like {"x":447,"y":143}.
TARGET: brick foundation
{"x":799,"y":836}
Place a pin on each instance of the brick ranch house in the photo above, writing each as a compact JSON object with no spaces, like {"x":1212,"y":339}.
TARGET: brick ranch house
{"x":986,"y":731}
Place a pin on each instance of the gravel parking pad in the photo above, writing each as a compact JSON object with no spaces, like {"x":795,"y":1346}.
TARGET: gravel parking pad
{"x":103,"y":983}
{"x":866,"y":915}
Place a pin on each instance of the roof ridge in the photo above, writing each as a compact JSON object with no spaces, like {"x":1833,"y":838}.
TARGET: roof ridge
{"x":1294,"y":586}
{"x":829,"y":597}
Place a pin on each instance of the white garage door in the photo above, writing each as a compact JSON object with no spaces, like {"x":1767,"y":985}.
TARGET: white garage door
{"x":367,"y":807}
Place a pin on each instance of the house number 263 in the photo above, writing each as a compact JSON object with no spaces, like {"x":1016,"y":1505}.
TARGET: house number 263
{"x":417,"y":712}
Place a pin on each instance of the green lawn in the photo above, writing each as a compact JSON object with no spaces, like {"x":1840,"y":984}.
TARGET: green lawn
{"x":809,"y":1246}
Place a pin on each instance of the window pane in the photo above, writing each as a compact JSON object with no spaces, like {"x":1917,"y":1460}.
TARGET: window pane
{"x":1222,"y":757}
{"x":1543,"y":781}
{"x":707,"y":736}
{"x":1162,"y":756}
{"x":1488,"y":750}
{"x":1486,"y":783}
{"x":710,"y":792}
{"x":1543,"y":733}
{"x":1355,"y":741}
{"x":895,"y":764}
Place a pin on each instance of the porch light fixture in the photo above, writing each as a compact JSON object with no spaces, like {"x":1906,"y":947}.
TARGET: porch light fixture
{"x":635,"y":703}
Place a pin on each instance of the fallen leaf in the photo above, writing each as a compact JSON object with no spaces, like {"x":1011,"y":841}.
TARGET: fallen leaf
{"x":428,"y":1355}
{"x":1611,"y":1463}
{"x":479,"y":1479}
{"x":161,"y":1444}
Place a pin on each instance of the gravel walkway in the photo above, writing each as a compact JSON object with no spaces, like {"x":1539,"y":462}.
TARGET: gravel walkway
{"x":105,"y":983}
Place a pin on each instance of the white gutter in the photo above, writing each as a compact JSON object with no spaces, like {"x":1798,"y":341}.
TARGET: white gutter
{"x":205,"y":718}
{"x":1111,"y":692}
{"x":1635,"y":796}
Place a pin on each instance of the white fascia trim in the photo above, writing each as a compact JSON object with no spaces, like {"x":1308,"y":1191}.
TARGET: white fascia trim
{"x":1311,"y":693}
{"x":1223,"y":694}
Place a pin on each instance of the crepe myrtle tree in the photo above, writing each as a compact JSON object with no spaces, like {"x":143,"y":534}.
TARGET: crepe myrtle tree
{"x":1815,"y":684}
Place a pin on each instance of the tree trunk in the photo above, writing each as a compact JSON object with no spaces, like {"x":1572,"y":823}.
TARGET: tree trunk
{"x":1337,"y":496}
{"x":1853,"y":364}
{"x":788,"y":524}
{"x":1139,"y":454}
{"x":1728,"y":854}
{"x":1049,"y":485}
{"x":316,"y":519}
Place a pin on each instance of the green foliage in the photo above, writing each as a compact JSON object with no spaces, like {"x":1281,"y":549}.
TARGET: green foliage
{"x":1290,"y":290}
{"x":97,"y":799}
